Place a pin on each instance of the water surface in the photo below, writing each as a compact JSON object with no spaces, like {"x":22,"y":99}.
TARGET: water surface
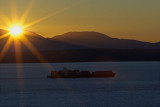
{"x":136,"y":84}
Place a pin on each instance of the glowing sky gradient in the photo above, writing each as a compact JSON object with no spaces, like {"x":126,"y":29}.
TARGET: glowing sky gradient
{"x":128,"y":19}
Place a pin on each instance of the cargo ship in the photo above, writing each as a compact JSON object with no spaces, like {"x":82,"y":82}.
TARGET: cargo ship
{"x":66,"y":73}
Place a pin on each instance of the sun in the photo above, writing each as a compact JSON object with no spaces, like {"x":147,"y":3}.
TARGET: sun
{"x":16,"y":31}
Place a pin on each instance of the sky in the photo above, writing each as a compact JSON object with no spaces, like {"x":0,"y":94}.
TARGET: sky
{"x":124,"y":19}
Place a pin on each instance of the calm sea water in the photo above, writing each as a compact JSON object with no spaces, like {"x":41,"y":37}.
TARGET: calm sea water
{"x":137,"y":84}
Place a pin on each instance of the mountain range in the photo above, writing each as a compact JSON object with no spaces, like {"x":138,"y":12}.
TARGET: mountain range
{"x":82,"y":47}
{"x":81,"y":40}
{"x":99,"y":40}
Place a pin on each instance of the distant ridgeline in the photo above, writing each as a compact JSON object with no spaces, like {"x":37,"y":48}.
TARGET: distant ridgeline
{"x":83,"y":47}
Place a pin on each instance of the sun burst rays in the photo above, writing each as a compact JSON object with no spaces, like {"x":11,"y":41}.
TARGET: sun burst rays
{"x":26,"y":12}
{"x":52,"y":14}
{"x":20,"y":74}
{"x":14,"y":21}
{"x":4,"y":18}
{"x":4,"y":35}
{"x":5,"y":48}
{"x":14,"y":12}
{"x":18,"y":54}
{"x":36,"y":53}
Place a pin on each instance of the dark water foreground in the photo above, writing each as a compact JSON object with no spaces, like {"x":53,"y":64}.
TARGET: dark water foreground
{"x":137,"y":84}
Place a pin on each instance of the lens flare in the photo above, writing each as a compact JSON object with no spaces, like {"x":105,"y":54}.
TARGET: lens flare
{"x":16,"y":31}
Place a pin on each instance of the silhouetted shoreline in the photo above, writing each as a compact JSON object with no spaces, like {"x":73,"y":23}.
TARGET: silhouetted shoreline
{"x":86,"y":55}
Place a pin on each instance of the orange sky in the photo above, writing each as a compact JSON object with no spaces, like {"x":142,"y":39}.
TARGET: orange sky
{"x":130,"y":19}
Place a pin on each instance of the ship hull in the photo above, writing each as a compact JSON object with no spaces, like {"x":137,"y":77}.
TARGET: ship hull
{"x":111,"y":75}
